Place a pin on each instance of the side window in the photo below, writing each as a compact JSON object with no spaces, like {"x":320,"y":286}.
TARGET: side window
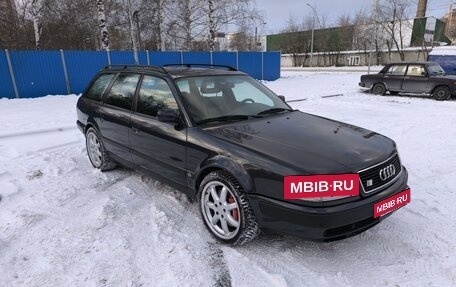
{"x":98,"y":88}
{"x":396,"y":70}
{"x":416,"y":70}
{"x":122,"y":91}
{"x":154,"y":95}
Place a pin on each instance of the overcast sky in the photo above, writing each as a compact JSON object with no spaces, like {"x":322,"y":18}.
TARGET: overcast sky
{"x":277,"y":12}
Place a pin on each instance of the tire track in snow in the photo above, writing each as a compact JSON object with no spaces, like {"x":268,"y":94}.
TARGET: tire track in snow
{"x":220,"y":269}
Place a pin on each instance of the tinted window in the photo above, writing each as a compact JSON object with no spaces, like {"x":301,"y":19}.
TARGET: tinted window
{"x":396,"y":70}
{"x":122,"y":91}
{"x":416,"y":70}
{"x":96,"y":91}
{"x":154,"y":95}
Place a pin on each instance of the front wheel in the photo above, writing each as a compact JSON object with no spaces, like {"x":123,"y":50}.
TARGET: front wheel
{"x":379,"y":89}
{"x":225,"y":209}
{"x":441,"y":93}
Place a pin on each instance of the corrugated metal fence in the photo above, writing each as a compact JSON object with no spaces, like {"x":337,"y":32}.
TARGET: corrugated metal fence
{"x":29,"y":74}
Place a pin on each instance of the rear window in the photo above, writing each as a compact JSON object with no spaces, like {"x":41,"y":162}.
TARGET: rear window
{"x":98,"y":88}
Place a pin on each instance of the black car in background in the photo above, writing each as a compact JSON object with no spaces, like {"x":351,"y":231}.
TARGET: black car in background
{"x":411,"y":77}
{"x":232,"y":144}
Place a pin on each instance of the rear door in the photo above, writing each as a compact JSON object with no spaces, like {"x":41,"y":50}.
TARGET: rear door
{"x":158,"y":147}
{"x":115,"y":115}
{"x":416,"y":79}
{"x":394,"y":77}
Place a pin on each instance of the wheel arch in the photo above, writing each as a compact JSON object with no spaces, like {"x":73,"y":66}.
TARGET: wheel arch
{"x":91,"y":124}
{"x":226,"y":165}
{"x":440,"y":85}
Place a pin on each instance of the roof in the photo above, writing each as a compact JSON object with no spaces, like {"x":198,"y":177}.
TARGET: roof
{"x":411,"y":63}
{"x":178,"y":70}
{"x":443,"y":51}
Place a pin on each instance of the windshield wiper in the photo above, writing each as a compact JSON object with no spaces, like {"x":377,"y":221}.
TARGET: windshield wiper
{"x":274,"y":111}
{"x":224,"y":119}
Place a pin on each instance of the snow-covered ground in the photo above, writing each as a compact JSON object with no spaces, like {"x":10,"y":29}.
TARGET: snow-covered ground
{"x":63,"y":223}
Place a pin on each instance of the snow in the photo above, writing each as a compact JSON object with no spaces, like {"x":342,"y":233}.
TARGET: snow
{"x":443,"y":51}
{"x":63,"y":223}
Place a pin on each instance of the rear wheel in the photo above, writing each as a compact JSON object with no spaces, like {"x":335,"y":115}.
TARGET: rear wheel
{"x":96,"y":151}
{"x":379,"y":89}
{"x":226,"y":210}
{"x":441,"y":93}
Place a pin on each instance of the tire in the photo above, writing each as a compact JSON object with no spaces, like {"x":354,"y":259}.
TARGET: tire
{"x":230,"y":219}
{"x":96,"y":151}
{"x":441,"y":93}
{"x":379,"y":89}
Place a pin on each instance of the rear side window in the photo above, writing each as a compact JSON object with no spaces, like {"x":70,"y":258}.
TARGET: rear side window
{"x":122,"y":91}
{"x":396,"y":70}
{"x":154,"y":95}
{"x":416,"y":70}
{"x":98,"y":88}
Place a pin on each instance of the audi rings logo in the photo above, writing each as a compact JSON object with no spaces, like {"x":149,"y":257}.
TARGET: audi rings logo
{"x":387,"y":172}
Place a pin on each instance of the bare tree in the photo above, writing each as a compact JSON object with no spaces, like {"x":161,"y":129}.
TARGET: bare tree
{"x":189,"y":24}
{"x":35,"y":9}
{"x":393,"y":17}
{"x":224,"y":12}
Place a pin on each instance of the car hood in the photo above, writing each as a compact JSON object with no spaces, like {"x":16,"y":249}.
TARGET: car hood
{"x":307,"y":143}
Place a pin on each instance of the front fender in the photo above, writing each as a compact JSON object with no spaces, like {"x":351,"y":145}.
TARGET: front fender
{"x":221,"y":162}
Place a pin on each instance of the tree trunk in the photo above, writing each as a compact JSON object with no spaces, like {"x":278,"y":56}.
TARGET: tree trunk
{"x":36,"y":29}
{"x":160,"y":38}
{"x":102,"y":25}
{"x":211,"y":26}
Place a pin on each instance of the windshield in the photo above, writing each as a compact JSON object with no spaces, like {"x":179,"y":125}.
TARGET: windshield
{"x":226,"y":97}
{"x":435,"y":70}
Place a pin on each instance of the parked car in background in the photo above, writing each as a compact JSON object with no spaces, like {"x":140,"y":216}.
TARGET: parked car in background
{"x":445,"y":56}
{"x":411,"y":77}
{"x":239,"y":150}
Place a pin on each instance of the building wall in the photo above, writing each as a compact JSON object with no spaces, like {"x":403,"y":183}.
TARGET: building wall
{"x":351,"y":58}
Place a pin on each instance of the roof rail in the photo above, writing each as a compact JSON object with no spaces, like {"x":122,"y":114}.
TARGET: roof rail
{"x":145,"y":67}
{"x":212,"y":66}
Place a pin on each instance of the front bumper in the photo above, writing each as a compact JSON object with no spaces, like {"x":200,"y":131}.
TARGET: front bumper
{"x":322,"y":223}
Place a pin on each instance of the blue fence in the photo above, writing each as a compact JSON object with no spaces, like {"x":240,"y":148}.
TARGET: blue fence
{"x":29,"y":74}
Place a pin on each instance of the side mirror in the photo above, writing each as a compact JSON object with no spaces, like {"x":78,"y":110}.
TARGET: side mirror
{"x":282,"y":98}
{"x":168,"y":115}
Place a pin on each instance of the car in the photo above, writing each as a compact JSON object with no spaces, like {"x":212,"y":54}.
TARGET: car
{"x":411,"y":77}
{"x":250,"y":161}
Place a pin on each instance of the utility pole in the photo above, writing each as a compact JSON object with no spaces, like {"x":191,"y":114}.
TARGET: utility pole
{"x":314,"y":13}
{"x":372,"y":36}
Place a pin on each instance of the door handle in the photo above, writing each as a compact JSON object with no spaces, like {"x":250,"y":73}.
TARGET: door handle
{"x":135,"y":130}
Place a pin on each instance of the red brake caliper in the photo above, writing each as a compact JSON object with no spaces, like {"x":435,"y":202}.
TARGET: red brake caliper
{"x":234,"y":212}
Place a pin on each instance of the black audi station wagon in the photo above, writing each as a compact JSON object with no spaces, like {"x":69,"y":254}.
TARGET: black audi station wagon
{"x":250,"y":161}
